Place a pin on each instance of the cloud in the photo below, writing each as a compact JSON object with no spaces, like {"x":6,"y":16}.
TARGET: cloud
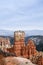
{"x":25,"y":14}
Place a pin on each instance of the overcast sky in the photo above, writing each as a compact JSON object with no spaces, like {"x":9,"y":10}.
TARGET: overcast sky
{"x":21,"y":14}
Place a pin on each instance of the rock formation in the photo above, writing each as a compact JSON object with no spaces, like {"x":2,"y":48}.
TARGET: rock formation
{"x":19,"y":37}
{"x":4,"y":43}
{"x":40,"y":60}
{"x":20,"y":49}
{"x":17,"y":61}
{"x":31,"y":48}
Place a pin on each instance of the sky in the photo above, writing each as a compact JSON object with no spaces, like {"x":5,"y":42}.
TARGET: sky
{"x":21,"y":14}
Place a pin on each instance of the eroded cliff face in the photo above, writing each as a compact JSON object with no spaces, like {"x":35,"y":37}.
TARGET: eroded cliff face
{"x":19,"y":43}
{"x":31,"y":48}
{"x":20,"y":49}
{"x":4,"y":43}
{"x":27,"y":51}
{"x":40,"y":60}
